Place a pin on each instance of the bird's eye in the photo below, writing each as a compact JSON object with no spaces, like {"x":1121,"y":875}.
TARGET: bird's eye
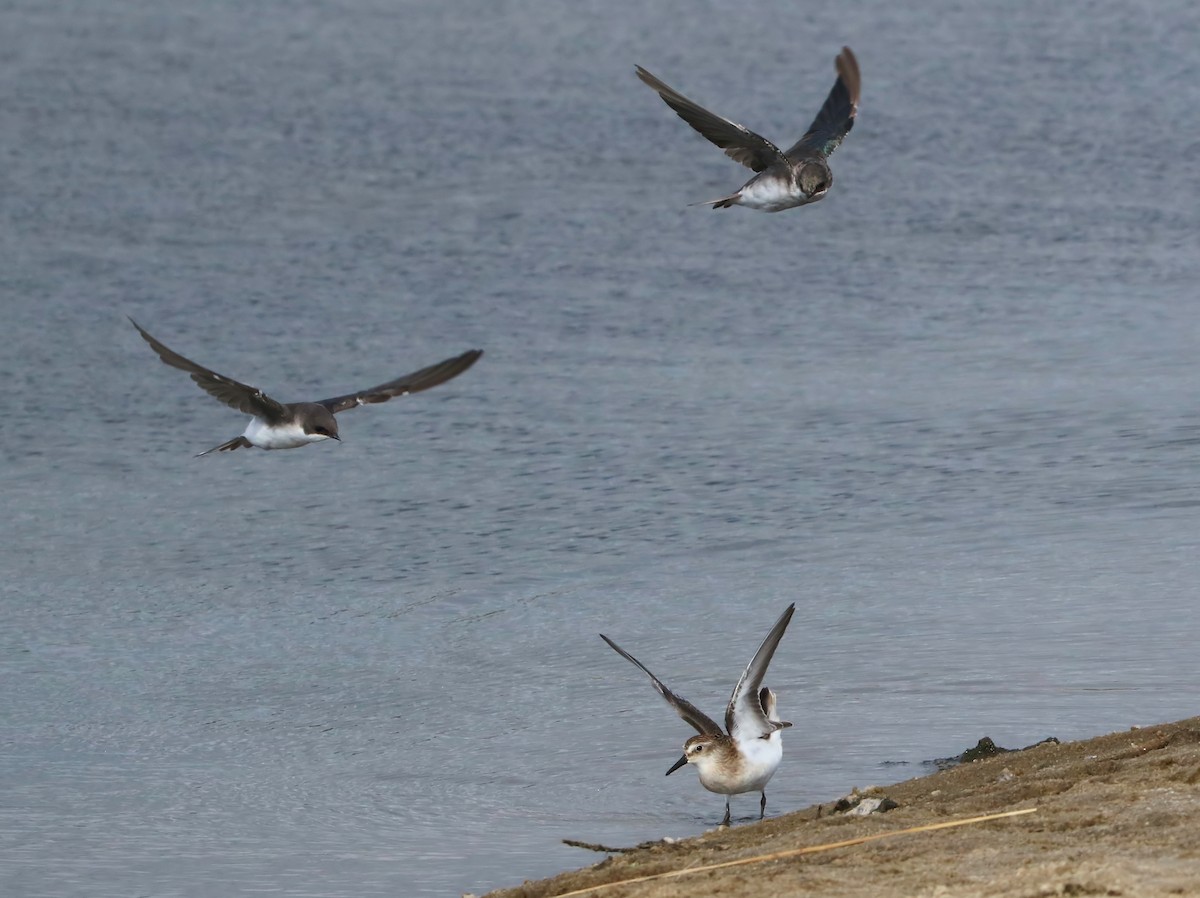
{"x":699,"y":748}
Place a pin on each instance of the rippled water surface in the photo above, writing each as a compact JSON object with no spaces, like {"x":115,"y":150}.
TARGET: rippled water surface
{"x":950,"y":411}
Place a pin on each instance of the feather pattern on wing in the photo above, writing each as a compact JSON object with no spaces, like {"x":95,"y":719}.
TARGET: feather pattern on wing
{"x":246,"y":399}
{"x":739,"y":143}
{"x":746,"y":718}
{"x":836,"y":117}
{"x":408,"y":383}
{"x":696,"y":718}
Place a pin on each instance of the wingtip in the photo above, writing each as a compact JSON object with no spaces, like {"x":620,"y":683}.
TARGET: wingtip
{"x":469,"y":358}
{"x":847,"y":69}
{"x":651,"y":80}
{"x":150,"y":339}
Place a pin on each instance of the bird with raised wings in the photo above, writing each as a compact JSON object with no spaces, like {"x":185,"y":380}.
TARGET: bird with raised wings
{"x":745,"y":755}
{"x":289,"y":425}
{"x":784,"y":180}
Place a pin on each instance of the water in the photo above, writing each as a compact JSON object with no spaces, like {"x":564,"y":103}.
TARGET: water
{"x":950,"y":411}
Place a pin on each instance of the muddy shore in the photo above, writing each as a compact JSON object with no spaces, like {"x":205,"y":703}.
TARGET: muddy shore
{"x":1116,"y":815}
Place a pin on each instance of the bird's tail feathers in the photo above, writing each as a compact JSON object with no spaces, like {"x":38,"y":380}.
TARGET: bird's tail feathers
{"x":723,"y":203}
{"x":235,"y":443}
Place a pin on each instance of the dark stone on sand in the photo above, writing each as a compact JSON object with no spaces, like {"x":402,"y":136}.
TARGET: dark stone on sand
{"x":984,"y":748}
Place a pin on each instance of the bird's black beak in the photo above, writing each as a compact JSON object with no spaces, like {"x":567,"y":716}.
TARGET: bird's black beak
{"x":677,"y":765}
{"x":334,"y":436}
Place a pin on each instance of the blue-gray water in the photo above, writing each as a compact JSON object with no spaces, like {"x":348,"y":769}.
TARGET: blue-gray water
{"x":951,"y":411}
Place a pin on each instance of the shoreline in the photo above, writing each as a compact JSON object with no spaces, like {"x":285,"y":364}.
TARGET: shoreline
{"x":1115,"y":815}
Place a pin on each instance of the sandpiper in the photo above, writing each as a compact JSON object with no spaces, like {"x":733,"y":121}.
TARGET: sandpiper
{"x":784,"y":180}
{"x":744,"y":758}
{"x":289,"y":425}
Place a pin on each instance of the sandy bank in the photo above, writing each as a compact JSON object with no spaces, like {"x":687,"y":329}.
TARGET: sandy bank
{"x":1116,"y":815}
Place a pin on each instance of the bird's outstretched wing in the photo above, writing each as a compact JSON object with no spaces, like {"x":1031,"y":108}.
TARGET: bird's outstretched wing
{"x":836,"y":117}
{"x":408,"y":383}
{"x":696,"y":718}
{"x":746,"y":717}
{"x":249,"y":400}
{"x":739,"y":142}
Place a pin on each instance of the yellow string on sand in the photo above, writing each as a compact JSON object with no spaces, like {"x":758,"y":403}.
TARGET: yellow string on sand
{"x":793,"y":852}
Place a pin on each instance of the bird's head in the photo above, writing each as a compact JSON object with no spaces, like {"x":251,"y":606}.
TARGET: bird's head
{"x":321,"y":424}
{"x":814,"y":179}
{"x":701,"y":751}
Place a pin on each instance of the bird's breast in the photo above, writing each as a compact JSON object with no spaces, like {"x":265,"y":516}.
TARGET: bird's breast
{"x":748,"y":771}
{"x":772,"y":192}
{"x":279,"y":436}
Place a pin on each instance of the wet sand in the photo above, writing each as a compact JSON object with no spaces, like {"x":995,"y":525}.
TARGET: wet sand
{"x":1116,"y":815}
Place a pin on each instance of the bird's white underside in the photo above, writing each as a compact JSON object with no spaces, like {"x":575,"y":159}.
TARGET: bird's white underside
{"x":772,"y":195}
{"x":284,"y":436}
{"x":759,"y":760}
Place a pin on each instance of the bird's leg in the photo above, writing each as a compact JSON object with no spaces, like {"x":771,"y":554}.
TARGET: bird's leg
{"x":762,"y":805}
{"x":725,"y":822}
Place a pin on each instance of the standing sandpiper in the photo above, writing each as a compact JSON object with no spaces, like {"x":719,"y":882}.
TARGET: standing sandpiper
{"x":744,"y":758}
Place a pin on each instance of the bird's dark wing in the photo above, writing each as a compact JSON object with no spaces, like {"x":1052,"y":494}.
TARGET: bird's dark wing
{"x":739,"y":143}
{"x":250,"y":400}
{"x":696,"y":718}
{"x":746,"y":718}
{"x":409,"y":383}
{"x":836,"y":117}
